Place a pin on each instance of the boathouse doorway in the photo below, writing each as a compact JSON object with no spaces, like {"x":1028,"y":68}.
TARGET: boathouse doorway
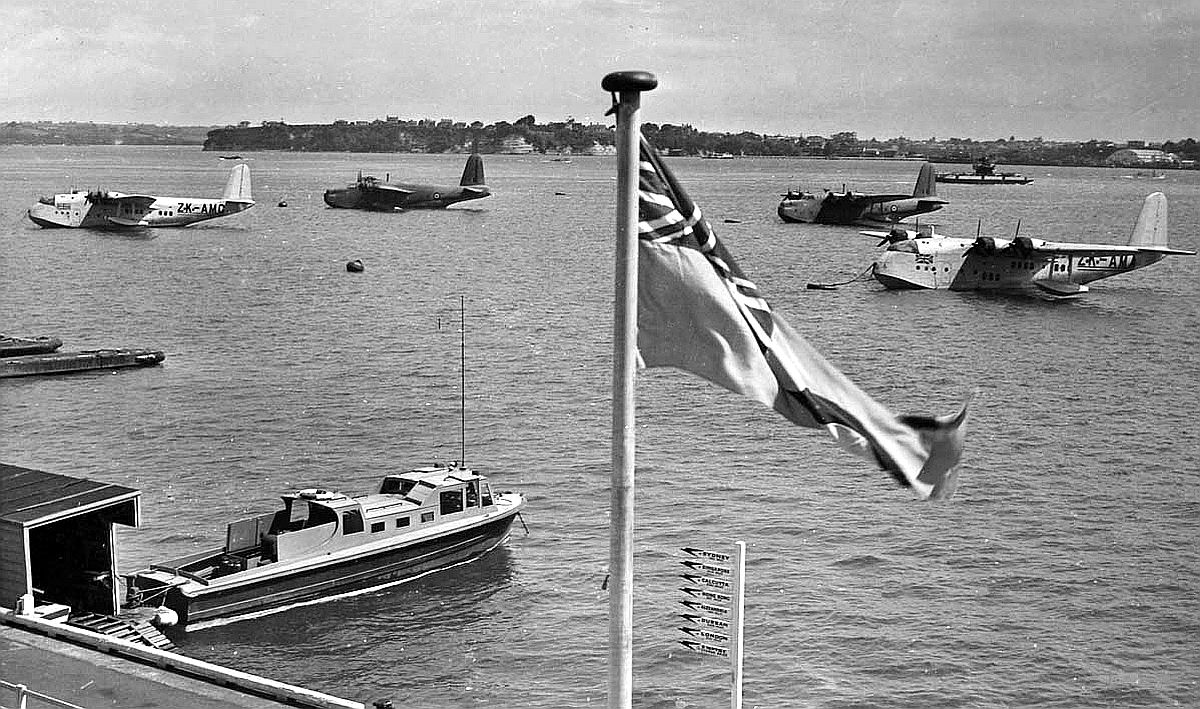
{"x":57,"y":541}
{"x":70,"y":564}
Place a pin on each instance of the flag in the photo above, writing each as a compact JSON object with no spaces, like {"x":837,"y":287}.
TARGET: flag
{"x":697,"y":311}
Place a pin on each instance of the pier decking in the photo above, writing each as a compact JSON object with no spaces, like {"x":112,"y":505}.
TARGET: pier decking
{"x":66,"y":362}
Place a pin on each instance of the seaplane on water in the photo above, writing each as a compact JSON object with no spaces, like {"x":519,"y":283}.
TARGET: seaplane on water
{"x":371,"y":193}
{"x":114,"y":210}
{"x":923,"y":259}
{"x":863,"y":209}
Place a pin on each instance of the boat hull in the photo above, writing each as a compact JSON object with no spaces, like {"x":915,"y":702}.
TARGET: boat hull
{"x":20,"y":346}
{"x":263,"y":590}
{"x":964,"y":179}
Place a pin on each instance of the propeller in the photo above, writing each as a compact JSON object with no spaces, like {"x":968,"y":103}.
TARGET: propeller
{"x":895,"y":236}
{"x":983,"y":245}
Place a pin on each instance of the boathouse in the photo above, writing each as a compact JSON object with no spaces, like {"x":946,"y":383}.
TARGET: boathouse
{"x":57,"y":541}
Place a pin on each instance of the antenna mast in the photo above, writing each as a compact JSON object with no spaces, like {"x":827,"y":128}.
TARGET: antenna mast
{"x":462,"y":397}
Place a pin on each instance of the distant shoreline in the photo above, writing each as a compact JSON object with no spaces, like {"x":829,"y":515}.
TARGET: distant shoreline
{"x":577,"y":140}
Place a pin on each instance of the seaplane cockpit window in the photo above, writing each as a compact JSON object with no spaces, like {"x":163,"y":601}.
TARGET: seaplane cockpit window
{"x":487,"y":495}
{"x":473,"y":493}
{"x":451,"y":501}
{"x":905,"y":246}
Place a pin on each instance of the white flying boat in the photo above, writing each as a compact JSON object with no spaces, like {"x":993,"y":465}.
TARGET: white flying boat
{"x":98,"y":209}
{"x":924,"y":259}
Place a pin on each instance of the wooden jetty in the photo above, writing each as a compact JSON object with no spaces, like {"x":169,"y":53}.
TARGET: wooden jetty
{"x":67,"y":362}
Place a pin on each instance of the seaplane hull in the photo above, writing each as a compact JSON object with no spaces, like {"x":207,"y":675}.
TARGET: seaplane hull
{"x":372,"y":194}
{"x":855,"y":208}
{"x":115,"y":210}
{"x":926,"y":261}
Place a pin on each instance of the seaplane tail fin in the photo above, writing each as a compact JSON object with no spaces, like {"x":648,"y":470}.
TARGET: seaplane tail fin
{"x":473,"y":172}
{"x":1151,"y":228}
{"x":238,"y":187}
{"x":926,"y":183}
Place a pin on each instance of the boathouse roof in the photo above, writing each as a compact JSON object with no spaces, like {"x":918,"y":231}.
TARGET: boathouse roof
{"x":34,"y":497}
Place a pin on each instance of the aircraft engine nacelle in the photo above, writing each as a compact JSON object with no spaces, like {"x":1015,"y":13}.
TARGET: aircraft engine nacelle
{"x":984,"y":246}
{"x":1022,"y":246}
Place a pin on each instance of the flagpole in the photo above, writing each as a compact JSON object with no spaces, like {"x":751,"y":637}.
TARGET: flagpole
{"x":627,"y":87}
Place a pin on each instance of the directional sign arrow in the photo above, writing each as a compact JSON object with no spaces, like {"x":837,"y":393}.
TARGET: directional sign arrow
{"x":705,"y":581}
{"x":705,"y":594}
{"x":712,"y":555}
{"x":706,"y":635}
{"x":704,"y":649}
{"x":706,"y":568}
{"x":705,"y":620}
{"x":704,"y":607}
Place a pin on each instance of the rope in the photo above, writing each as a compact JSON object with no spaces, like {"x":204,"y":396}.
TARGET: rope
{"x":833,"y":286}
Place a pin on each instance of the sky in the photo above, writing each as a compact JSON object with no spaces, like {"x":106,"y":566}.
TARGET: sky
{"x":982,"y":69}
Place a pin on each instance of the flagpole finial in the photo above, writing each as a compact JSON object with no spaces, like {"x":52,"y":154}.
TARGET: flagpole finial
{"x":619,"y":81}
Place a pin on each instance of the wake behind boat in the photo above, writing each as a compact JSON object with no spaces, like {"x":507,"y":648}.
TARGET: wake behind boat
{"x":324,"y":544}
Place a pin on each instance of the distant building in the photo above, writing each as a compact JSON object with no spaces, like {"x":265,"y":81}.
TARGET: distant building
{"x":597,"y":148}
{"x":1138,"y":157}
{"x":516,"y":145}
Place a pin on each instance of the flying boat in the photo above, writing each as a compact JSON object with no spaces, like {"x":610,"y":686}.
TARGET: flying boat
{"x":848,"y":207}
{"x":923,"y":259}
{"x":371,"y":193}
{"x":99,"y":209}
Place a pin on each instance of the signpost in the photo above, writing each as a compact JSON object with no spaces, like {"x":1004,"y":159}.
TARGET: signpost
{"x":717,"y":593}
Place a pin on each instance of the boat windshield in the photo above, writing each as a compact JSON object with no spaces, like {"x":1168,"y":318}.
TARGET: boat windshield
{"x":396,"y":486}
{"x":301,"y":515}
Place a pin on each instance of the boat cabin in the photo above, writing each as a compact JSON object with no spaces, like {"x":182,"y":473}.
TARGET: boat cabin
{"x":316,"y":522}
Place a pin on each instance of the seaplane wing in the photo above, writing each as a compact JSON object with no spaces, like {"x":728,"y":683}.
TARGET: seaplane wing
{"x":131,"y":200}
{"x":393,"y":189}
{"x":129,"y":204}
{"x":866,"y":200}
{"x":1051,"y":248}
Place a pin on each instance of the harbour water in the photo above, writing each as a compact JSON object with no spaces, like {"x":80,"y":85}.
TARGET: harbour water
{"x":1064,"y":573}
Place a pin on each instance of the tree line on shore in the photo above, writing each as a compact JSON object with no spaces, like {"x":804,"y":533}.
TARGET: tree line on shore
{"x":565,"y":137}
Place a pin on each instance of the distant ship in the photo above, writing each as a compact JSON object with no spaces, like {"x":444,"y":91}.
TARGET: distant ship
{"x":984,"y":174}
